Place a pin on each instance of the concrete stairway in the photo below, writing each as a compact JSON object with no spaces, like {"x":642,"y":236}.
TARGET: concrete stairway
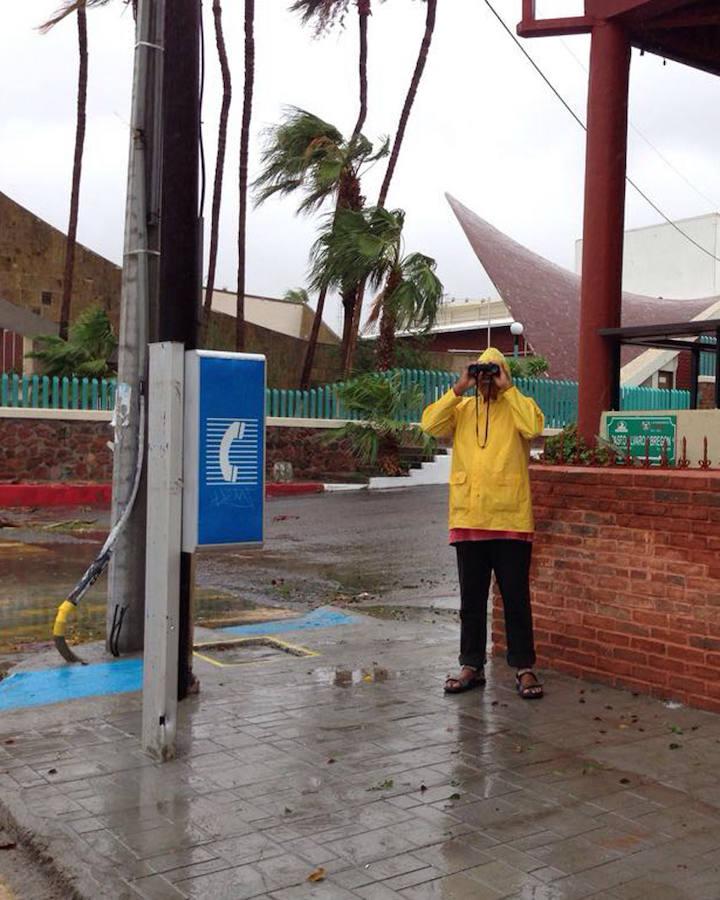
{"x":435,"y":472}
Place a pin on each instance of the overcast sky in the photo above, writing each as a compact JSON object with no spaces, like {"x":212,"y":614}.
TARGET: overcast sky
{"x":484,"y":127}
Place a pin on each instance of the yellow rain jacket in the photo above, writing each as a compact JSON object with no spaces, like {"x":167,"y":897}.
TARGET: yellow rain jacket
{"x":490,"y":486}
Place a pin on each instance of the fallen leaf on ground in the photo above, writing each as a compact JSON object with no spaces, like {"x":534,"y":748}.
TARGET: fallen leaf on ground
{"x":317,"y":874}
{"x":7,"y":845}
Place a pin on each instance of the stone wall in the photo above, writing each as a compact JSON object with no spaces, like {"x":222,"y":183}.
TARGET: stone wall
{"x":312,"y":455}
{"x":32,"y":261}
{"x":52,"y":450}
{"x":46,"y":450}
{"x":626,"y":579}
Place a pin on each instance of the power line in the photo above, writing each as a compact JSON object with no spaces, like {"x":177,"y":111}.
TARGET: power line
{"x":584,"y":128}
{"x":647,"y":140}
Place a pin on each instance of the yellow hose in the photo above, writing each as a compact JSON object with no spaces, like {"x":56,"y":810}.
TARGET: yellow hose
{"x":63,"y":612}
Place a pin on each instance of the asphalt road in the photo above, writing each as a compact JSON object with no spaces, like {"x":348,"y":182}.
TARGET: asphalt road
{"x":391,"y":545}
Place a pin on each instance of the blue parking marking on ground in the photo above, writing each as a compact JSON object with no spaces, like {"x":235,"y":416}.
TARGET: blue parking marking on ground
{"x":47,"y":686}
{"x":323,"y":617}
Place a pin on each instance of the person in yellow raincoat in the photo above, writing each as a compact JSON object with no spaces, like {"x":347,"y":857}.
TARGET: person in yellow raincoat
{"x":491,"y":519}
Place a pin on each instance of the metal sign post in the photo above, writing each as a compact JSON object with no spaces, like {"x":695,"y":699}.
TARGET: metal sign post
{"x":206,"y":488}
{"x":162,"y":571}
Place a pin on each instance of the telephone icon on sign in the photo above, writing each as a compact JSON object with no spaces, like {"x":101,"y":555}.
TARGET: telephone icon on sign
{"x":234,"y":432}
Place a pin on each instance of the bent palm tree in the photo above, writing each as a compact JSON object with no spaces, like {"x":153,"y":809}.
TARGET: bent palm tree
{"x":325,"y":14}
{"x":409,"y":98}
{"x":308,"y":155}
{"x":368,"y":246}
{"x":392,"y":163}
{"x":219,"y":164}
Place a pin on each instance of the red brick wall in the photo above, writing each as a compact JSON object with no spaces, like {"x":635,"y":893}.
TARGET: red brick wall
{"x":626,"y":579}
{"x":63,"y":451}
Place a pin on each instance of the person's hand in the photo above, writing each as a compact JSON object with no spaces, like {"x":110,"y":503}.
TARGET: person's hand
{"x":503,"y":380}
{"x":464,"y":383}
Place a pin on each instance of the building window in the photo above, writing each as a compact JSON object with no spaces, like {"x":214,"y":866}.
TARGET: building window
{"x":46,"y":298}
{"x":666,"y":380}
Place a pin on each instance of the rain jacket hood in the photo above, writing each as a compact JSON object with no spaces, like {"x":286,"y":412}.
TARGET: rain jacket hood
{"x":491,"y":355}
{"x":489,"y":481}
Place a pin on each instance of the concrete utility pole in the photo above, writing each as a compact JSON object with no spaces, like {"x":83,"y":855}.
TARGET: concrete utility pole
{"x":126,"y":588}
{"x":180,"y":263}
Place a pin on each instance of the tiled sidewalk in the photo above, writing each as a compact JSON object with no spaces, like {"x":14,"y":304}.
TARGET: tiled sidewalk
{"x":355,"y":762}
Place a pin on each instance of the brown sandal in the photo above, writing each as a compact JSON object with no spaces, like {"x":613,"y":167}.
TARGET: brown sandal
{"x":475,"y":678}
{"x":532,"y":691}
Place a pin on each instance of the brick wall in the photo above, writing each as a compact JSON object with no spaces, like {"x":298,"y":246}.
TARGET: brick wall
{"x":626,"y":579}
{"x":44,"y":450}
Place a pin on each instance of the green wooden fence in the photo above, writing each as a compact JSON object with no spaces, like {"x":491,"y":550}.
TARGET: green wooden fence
{"x":44,"y":392}
{"x":707,"y":360}
{"x":557,"y":399}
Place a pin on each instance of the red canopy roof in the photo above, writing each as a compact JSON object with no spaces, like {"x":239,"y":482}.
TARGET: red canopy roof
{"x":684,"y":30}
{"x":546,"y":298}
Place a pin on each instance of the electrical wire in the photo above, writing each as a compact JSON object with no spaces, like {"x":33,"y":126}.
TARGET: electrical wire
{"x":646,"y":139}
{"x":584,"y":128}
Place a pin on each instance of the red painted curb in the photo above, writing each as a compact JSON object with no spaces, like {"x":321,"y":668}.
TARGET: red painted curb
{"x":99,"y":495}
{"x":55,"y":495}
{"x":284,"y":490}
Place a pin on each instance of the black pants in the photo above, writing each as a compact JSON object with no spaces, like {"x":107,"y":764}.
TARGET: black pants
{"x":510,"y":560}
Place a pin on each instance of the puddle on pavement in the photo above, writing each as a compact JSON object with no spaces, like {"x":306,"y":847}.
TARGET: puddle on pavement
{"x":35,"y":578}
{"x":341,"y":677}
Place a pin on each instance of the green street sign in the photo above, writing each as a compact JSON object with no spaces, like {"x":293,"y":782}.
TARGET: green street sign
{"x":640,"y":429}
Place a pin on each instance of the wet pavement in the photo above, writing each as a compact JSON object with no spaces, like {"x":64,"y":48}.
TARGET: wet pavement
{"x":320,"y":549}
{"x":353,"y":768}
{"x":347,"y":773}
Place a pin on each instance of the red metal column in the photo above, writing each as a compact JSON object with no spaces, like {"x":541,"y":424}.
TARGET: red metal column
{"x":601,"y":287}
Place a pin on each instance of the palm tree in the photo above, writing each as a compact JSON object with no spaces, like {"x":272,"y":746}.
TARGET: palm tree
{"x":297,"y":295}
{"x":385,"y":407}
{"x":77,"y":160}
{"x":306,"y":154}
{"x":79,"y":7}
{"x":367,"y":246}
{"x":325,"y":14}
{"x":244,"y":147}
{"x":219,"y":163}
{"x":392,"y":163}
{"x":409,"y":98}
{"x":88,"y":351}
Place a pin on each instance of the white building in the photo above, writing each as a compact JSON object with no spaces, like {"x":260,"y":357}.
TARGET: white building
{"x":660,"y":262}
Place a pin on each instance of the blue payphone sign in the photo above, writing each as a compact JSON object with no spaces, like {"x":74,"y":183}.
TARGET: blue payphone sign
{"x":224,"y":461}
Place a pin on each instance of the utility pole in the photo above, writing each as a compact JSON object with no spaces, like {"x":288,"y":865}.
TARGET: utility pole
{"x":126,"y":585}
{"x":180,"y":261}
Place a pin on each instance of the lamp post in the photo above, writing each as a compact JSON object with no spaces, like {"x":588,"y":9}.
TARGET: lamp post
{"x":516,"y":329}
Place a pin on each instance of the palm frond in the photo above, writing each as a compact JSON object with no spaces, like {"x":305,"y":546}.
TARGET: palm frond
{"x":355,"y":246}
{"x":416,"y":299}
{"x":87,"y":352}
{"x":297,"y":295}
{"x":72,"y":6}
{"x":323,"y":13}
